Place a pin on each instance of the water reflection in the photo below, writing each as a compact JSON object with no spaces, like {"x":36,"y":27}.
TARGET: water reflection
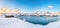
{"x":42,"y":20}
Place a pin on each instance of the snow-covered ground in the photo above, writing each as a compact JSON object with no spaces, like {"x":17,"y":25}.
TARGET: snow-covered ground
{"x":17,"y":23}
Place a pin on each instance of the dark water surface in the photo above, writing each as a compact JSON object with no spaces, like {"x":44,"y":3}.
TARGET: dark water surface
{"x":41,"y":20}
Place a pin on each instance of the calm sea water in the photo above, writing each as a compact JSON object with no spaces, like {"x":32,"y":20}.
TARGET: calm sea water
{"x":42,"y":20}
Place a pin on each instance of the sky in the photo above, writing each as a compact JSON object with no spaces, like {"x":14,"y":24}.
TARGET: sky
{"x":32,"y":5}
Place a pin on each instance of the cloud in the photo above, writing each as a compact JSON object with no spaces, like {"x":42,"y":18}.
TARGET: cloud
{"x":50,"y":7}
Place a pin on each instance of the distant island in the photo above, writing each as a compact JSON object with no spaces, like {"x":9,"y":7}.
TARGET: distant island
{"x":7,"y":11}
{"x":35,"y":18}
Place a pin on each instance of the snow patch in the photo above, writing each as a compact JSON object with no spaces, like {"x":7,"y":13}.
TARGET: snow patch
{"x":17,"y":23}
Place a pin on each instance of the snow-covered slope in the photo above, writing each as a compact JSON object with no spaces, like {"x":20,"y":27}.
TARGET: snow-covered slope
{"x":17,"y":23}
